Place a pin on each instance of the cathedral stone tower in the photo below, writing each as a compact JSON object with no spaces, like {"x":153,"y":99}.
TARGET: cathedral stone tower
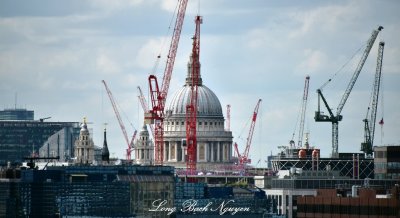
{"x":84,"y":146}
{"x":144,"y":148}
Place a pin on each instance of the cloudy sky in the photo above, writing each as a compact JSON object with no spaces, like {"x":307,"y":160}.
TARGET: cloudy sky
{"x":55,"y":53}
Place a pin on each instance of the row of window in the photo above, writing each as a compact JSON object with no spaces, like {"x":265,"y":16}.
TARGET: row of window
{"x":347,"y":209}
{"x":380,"y":154}
{"x":393,"y":175}
{"x":393,"y":165}
{"x":380,"y":166}
{"x":200,"y":123}
{"x":388,"y":165}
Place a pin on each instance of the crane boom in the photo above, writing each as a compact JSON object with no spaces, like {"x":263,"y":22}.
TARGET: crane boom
{"x":237,"y":150}
{"x":243,"y":159}
{"x":303,"y":110}
{"x":142,"y":100}
{"x":114,"y":105}
{"x":121,"y":124}
{"x":159,"y":96}
{"x":145,"y":108}
{"x":360,"y":65}
{"x":251,"y":131}
{"x":191,"y":108}
{"x":319,"y":117}
{"x":369,"y":126}
{"x":173,"y":48}
{"x":377,"y":84}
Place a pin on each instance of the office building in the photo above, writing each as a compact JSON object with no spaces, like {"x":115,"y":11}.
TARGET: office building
{"x":16,"y":114}
{"x":387,"y":162}
{"x":19,"y":139}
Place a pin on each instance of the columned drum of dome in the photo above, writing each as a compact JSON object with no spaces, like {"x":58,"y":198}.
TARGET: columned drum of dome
{"x":214,"y":144}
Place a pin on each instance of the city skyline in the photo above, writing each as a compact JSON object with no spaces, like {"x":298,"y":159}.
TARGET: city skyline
{"x":54,"y":54}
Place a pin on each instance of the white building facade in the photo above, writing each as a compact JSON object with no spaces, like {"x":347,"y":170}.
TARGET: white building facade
{"x":84,"y":146}
{"x":143,"y":148}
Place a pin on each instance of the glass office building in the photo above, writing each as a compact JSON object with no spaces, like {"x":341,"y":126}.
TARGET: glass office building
{"x":21,"y":138}
{"x":16,"y":114}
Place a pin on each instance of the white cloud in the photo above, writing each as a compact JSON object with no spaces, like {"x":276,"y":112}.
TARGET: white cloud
{"x":106,"y":64}
{"x":314,"y":61}
{"x":115,"y":5}
{"x":327,"y":18}
{"x":146,"y":56}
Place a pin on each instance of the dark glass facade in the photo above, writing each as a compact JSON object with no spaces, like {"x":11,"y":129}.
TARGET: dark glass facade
{"x":16,"y":114}
{"x":19,"y":138}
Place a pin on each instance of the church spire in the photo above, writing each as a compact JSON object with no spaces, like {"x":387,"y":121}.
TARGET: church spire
{"x":105,"y":154}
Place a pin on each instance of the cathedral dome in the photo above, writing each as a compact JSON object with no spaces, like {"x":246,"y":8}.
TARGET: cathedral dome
{"x":207,"y":102}
{"x":214,"y":144}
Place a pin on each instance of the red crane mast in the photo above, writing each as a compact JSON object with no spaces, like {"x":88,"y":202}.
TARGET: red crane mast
{"x":237,"y":150}
{"x":244,"y":158}
{"x":159,"y":96}
{"x":191,"y":108}
{"x":121,"y":124}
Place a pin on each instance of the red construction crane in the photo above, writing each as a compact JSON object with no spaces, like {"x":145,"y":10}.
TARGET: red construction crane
{"x":228,"y":117}
{"x":159,"y":96}
{"x":237,"y":150}
{"x":243,"y":159}
{"x":303,"y":111}
{"x":191,"y":107}
{"x":121,"y":124}
{"x":142,"y":100}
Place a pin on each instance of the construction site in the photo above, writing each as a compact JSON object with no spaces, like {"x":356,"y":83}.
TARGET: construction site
{"x":191,"y":133}
{"x":186,"y":150}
